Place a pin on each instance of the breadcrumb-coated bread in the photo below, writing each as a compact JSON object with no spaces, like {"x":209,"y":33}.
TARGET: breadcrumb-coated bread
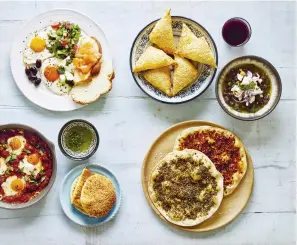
{"x":194,"y":48}
{"x":98,"y":196}
{"x":152,"y":58}
{"x":162,"y":34}
{"x":160,"y":78}
{"x":184,"y":74}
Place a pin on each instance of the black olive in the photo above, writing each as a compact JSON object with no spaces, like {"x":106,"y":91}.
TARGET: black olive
{"x":27,"y":70}
{"x":37,"y":81}
{"x":32,"y":78}
{"x":38,"y":63}
{"x":33,"y":70}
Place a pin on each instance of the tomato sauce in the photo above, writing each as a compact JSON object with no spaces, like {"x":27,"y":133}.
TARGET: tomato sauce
{"x":33,"y":184}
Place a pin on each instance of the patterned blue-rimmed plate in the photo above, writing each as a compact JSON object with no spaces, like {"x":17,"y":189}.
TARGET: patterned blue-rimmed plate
{"x":74,"y":214}
{"x":206,"y":73}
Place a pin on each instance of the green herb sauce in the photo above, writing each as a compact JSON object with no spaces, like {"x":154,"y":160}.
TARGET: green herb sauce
{"x":79,"y":139}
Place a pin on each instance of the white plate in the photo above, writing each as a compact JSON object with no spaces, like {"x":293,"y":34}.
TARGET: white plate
{"x":41,"y":95}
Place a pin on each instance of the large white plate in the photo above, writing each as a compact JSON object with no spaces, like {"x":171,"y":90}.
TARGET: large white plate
{"x":41,"y":95}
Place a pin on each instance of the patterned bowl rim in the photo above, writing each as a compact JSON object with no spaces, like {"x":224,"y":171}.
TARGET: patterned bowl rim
{"x":273,"y":69}
{"x":60,"y":140}
{"x":211,"y":79}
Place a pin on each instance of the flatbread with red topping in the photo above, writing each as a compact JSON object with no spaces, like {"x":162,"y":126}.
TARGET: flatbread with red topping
{"x":223,"y":148}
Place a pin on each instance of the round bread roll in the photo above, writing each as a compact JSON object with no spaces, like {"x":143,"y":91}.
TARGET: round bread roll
{"x":97,"y":196}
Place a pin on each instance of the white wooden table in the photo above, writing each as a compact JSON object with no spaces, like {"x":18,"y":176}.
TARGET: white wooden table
{"x":128,"y":121}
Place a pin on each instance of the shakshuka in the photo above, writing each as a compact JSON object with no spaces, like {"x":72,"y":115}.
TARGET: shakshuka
{"x":25,"y":165}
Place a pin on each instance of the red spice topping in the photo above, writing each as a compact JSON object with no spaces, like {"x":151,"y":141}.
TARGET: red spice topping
{"x":219,"y":148}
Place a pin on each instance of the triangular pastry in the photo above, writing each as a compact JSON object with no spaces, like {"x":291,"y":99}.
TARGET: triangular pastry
{"x":184,"y":74}
{"x":152,"y":58}
{"x":162,"y":34}
{"x":195,"y":48}
{"x":160,"y":78}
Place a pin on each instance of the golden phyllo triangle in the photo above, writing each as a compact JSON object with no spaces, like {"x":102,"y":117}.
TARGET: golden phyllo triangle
{"x":152,"y":58}
{"x":162,"y":34}
{"x":184,"y":74}
{"x":160,"y":78}
{"x":195,"y":48}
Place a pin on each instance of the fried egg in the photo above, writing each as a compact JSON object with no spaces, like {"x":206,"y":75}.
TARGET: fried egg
{"x":13,"y":185}
{"x":31,"y":164}
{"x":55,"y":82}
{"x":36,"y":47}
{"x":86,"y":56}
{"x":3,"y":166}
{"x":16,"y":144}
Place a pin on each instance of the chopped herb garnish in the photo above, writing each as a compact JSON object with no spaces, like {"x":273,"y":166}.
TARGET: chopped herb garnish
{"x":26,"y":150}
{"x":61,"y":69}
{"x":41,"y":152}
{"x":63,"y":40}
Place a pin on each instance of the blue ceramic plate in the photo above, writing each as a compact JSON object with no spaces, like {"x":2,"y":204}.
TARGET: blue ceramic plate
{"x":75,"y":215}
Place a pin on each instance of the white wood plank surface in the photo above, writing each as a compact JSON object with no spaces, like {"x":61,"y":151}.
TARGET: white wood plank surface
{"x":128,"y":122}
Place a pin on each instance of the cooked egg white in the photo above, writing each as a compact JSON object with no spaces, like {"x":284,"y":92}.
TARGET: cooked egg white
{"x":16,"y":144}
{"x":58,"y":86}
{"x":13,"y":185}
{"x":3,"y":166}
{"x":31,"y":165}
{"x":36,"y":47}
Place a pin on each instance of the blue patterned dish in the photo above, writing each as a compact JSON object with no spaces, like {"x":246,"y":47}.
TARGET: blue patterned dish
{"x":75,"y":215}
{"x":206,"y":73}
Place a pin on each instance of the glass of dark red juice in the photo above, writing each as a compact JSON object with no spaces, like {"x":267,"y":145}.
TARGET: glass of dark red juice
{"x":236,"y":31}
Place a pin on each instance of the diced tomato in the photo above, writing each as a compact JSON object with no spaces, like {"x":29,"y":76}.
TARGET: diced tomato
{"x":56,"y":25}
{"x":68,"y":25}
{"x":4,"y":154}
{"x":64,"y":43}
{"x":75,"y":47}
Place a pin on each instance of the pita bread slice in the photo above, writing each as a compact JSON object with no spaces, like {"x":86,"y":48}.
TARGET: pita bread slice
{"x":195,"y":48}
{"x":160,"y":78}
{"x":152,"y":58}
{"x":76,"y":190}
{"x":184,"y":74}
{"x":162,"y":34}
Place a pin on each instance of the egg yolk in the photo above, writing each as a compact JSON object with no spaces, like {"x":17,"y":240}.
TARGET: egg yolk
{"x":17,"y":185}
{"x":33,"y":158}
{"x":37,"y":44}
{"x":15,"y":143}
{"x":51,"y":73}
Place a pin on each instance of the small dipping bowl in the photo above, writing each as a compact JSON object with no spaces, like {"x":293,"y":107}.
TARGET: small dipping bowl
{"x":76,"y":155}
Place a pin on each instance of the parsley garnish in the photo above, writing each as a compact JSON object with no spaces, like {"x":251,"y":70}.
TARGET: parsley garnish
{"x":61,"y":69}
